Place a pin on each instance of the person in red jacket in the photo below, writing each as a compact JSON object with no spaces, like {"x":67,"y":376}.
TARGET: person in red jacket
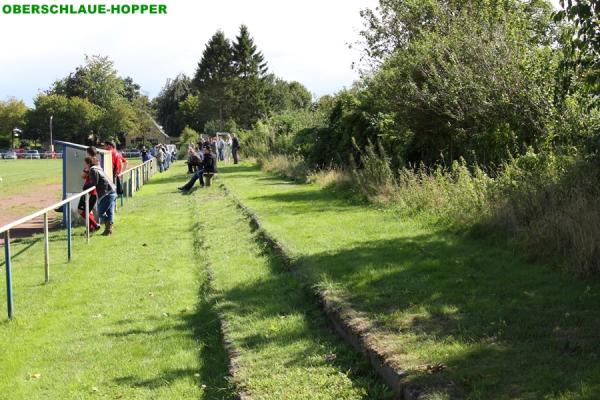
{"x":119,"y":163}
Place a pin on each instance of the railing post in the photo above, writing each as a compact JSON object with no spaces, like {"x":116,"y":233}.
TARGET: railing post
{"x":69,"y":236}
{"x":9,"y":298}
{"x":46,"y":251}
{"x":87,"y":218}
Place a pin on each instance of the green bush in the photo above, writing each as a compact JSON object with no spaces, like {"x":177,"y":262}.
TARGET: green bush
{"x":290,"y":167}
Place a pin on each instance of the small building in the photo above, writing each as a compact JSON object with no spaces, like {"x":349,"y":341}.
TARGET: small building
{"x":154,"y":134}
{"x":73,"y":156}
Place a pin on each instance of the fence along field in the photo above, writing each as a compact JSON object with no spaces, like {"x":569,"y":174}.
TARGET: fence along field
{"x":133,"y":179}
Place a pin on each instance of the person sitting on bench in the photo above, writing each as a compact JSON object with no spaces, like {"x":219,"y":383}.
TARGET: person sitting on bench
{"x":208,"y":168}
{"x":194,"y":159}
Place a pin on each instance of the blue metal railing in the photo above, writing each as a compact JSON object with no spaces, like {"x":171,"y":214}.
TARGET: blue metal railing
{"x":66,"y":204}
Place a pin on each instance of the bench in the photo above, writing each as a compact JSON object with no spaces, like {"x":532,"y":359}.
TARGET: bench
{"x":208,"y":177}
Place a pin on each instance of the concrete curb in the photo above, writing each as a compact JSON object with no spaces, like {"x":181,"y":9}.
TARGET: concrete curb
{"x":341,"y":316}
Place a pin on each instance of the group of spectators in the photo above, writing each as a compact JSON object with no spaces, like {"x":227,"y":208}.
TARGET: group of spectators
{"x":221,"y":146}
{"x":202,"y":158}
{"x":164,"y":156}
{"x":105,"y":193}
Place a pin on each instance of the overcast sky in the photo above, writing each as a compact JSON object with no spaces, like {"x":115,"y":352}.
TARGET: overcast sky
{"x":301,"y":40}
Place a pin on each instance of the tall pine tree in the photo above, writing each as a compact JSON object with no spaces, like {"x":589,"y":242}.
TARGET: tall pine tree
{"x":168,"y":100}
{"x":214,"y":78}
{"x":250,"y":87}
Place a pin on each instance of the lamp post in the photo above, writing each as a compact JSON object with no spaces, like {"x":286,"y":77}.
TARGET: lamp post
{"x":51,"y":142}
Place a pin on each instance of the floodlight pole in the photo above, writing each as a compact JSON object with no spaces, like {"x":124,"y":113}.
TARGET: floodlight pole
{"x":51,"y":143}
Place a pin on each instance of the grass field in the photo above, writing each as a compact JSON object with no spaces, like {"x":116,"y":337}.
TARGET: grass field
{"x":285,"y":346}
{"x":126,"y":319}
{"x":503,"y":328}
{"x":25,"y":176}
{"x":29,"y":185}
{"x":22,"y":176}
{"x":134,"y":316}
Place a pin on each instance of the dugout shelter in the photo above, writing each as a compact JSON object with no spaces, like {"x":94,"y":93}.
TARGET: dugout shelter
{"x":73,"y":156}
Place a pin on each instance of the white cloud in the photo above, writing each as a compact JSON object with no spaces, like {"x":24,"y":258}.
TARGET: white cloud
{"x":302,"y":40}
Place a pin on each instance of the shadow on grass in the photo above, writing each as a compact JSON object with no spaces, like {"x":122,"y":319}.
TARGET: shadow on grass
{"x":175,"y":179}
{"x":504,"y":328}
{"x":275,"y":299}
{"x":202,"y":325}
{"x":24,"y":246}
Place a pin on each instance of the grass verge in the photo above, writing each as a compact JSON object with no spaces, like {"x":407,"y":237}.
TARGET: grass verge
{"x":285,"y":348}
{"x":464,"y":318}
{"x":128,"y":318}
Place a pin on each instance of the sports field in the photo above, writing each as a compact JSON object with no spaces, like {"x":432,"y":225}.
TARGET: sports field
{"x":27,"y":186}
{"x":30,"y":185}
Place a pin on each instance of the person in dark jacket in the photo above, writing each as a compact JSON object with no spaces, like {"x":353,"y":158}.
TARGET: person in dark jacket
{"x":208,"y":166}
{"x":94,"y":226}
{"x":146,"y":156}
{"x":107,"y":195}
{"x":235,"y":146}
{"x":194,"y":159}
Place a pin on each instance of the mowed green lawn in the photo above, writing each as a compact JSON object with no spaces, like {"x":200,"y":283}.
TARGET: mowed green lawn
{"x":286,"y":348}
{"x":501,"y":328}
{"x":126,"y":319}
{"x":134,"y":316}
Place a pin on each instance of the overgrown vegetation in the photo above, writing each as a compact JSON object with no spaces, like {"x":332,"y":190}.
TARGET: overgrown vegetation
{"x":480,"y":114}
{"x":465,"y":319}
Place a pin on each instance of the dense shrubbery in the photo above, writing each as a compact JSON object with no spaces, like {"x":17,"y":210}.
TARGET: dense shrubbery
{"x":467,"y":116}
{"x":547,"y":204}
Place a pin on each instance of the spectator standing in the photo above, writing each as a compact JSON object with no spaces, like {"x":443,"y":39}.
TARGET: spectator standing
{"x":118,"y":163}
{"x":235,"y":146}
{"x":145,"y":154}
{"x":213,"y":145}
{"x":167,"y":160}
{"x":87,"y":183}
{"x":160,"y":158}
{"x":107,"y":194}
{"x":221,"y":148}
